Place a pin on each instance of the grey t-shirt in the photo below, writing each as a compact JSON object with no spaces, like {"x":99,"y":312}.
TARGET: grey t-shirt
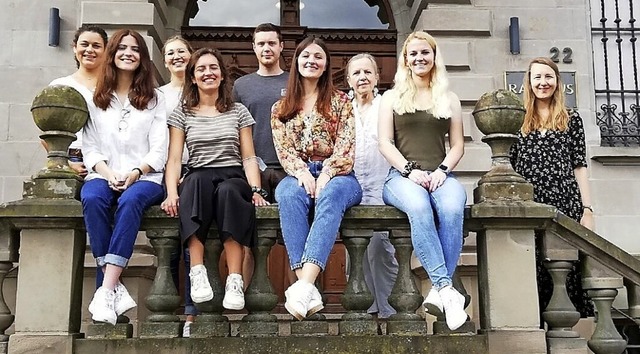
{"x":258,"y":93}
{"x":213,"y":141}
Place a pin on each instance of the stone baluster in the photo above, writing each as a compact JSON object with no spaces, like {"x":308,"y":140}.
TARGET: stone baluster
{"x":560,"y":314}
{"x":357,"y":298}
{"x":633,"y":299}
{"x":211,"y":322}
{"x":601,"y":284}
{"x":260,"y":298}
{"x":163,"y":299}
{"x":405,"y":296}
{"x":8,"y":254}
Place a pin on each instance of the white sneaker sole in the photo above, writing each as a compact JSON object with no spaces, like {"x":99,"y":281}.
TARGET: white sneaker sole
{"x":231,"y":306}
{"x":433,"y":309}
{"x":293,"y":312}
{"x":125,"y":305}
{"x":205,"y":298}
{"x":315,"y":309}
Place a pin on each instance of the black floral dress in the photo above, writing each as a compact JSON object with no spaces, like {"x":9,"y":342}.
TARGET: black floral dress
{"x":547,"y":160}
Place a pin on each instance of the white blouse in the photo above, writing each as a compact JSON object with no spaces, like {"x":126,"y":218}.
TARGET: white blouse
{"x":172,"y":97}
{"x":370,"y":167}
{"x":125,"y":137}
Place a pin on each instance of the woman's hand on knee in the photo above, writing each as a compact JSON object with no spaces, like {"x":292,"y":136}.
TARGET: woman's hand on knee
{"x":321,"y":182}
{"x":306,"y":180}
{"x":420,"y":178}
{"x":170,"y":205}
{"x":437,"y":179}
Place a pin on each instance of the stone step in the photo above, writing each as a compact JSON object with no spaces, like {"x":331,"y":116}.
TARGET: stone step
{"x":468,"y":344}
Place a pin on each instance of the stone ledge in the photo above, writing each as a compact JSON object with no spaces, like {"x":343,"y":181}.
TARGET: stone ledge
{"x":468,"y":344}
{"x":616,"y":156}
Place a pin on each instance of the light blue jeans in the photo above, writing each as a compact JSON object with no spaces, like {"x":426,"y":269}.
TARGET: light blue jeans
{"x":311,"y":242}
{"x":436,"y":221}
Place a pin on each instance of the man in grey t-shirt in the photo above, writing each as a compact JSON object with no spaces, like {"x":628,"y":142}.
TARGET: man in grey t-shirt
{"x":258,"y":92}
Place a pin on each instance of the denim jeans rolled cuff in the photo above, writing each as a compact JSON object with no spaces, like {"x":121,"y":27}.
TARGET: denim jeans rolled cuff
{"x":100,"y":262}
{"x":116,"y":260}
{"x":312,"y":261}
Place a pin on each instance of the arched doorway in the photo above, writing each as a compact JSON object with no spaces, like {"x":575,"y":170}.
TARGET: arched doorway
{"x":348,"y":27}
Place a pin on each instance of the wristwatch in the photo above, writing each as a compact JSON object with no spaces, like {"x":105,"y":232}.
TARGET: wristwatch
{"x":444,"y":168}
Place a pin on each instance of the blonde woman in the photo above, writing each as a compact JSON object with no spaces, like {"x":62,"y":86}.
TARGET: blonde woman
{"x":550,"y":153}
{"x":415,"y":117}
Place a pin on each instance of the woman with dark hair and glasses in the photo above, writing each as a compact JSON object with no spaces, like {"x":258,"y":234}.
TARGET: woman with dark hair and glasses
{"x":314,"y":137}
{"x":223,"y":179}
{"x":124,"y":147}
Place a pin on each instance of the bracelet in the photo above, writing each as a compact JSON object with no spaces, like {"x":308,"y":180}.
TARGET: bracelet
{"x":410,"y":166}
{"x":263,"y":193}
{"x":139,"y":171}
{"x":588,"y":207}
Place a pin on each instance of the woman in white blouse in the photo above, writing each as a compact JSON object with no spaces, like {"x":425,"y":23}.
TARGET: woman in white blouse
{"x":371,"y":168}
{"x":124,"y":147}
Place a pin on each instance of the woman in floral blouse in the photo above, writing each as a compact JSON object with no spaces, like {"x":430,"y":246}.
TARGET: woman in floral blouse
{"x":314,"y":137}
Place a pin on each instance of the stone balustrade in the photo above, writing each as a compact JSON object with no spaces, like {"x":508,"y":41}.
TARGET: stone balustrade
{"x":47,"y":225}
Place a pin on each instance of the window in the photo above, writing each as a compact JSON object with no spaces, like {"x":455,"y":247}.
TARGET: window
{"x":343,"y":14}
{"x":235,"y":13}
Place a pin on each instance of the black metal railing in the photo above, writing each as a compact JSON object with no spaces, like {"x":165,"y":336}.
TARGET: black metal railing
{"x":616,"y":69}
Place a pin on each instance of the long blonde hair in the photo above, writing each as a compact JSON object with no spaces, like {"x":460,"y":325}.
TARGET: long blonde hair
{"x":406,"y":89}
{"x":559,"y":117}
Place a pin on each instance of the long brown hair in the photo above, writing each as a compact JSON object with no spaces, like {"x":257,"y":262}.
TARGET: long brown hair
{"x":559,"y":117}
{"x":142,"y":87}
{"x":292,"y":102}
{"x":190,"y":92}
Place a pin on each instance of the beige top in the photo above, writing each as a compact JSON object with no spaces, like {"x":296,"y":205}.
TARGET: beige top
{"x":420,"y":137}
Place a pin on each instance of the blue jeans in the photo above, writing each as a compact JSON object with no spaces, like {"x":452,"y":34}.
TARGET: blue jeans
{"x":312,"y":242}
{"x":436,"y":221}
{"x":112,"y":235}
{"x":174,"y":265}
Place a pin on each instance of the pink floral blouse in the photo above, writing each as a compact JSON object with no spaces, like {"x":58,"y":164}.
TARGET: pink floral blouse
{"x":304,"y":138}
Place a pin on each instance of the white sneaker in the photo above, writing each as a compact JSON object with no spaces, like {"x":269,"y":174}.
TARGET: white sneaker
{"x":186,"y":330}
{"x":315,"y":304}
{"x":200,"y":288}
{"x":453,"y":304}
{"x":298,"y":298}
{"x":124,"y":302}
{"x":233,"y":294}
{"x":432,"y":303}
{"x":102,"y":306}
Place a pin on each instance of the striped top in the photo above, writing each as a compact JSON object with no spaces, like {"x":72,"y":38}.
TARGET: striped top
{"x":213,"y":141}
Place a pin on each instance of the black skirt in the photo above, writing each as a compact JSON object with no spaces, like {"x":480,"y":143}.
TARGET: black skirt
{"x":221,"y":194}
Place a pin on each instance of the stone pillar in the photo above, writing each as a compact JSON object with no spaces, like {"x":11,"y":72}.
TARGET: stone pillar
{"x":163,"y":299}
{"x":357,"y":298}
{"x":8,"y":255}
{"x":405,"y":296}
{"x":560,"y":314}
{"x":602,"y":285}
{"x":49,"y":290}
{"x":260,"y":298}
{"x":504,"y":217}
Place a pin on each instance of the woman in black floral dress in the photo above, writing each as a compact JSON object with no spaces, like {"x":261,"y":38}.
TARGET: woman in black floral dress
{"x":550,"y":153}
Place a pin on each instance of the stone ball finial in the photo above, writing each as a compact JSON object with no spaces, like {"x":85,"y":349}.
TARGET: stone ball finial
{"x":59,"y":108}
{"x":499,"y":112}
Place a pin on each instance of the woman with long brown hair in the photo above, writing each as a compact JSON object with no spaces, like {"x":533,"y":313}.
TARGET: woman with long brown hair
{"x":550,"y":153}
{"x":223,"y":182}
{"x":314,"y":137}
{"x":124,"y":147}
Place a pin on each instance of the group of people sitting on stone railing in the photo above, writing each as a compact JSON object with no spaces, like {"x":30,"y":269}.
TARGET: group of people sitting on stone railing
{"x":294,"y":139}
